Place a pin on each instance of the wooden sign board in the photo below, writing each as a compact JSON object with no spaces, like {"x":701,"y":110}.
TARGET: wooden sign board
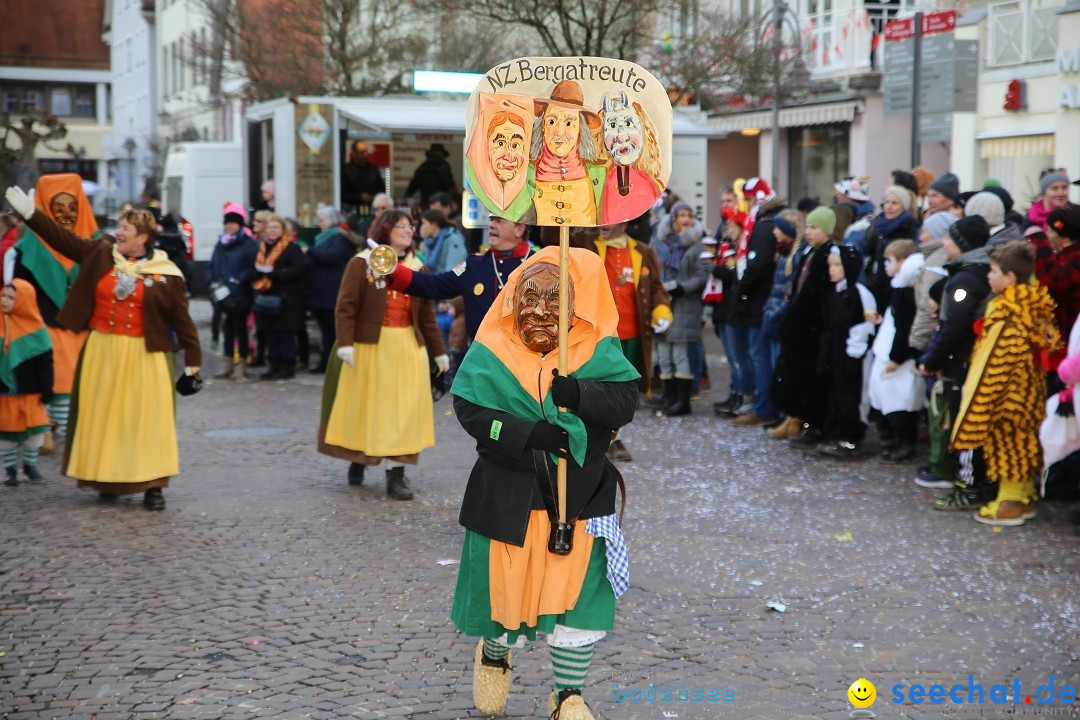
{"x":568,"y":141}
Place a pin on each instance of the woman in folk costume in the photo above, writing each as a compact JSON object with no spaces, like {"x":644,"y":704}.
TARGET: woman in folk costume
{"x":128,"y":295}
{"x":508,"y":398}
{"x":61,"y":199}
{"x":26,"y":380}
{"x":376,"y":401}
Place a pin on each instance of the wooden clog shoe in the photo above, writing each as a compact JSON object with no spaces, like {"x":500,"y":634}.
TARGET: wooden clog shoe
{"x":491,"y":683}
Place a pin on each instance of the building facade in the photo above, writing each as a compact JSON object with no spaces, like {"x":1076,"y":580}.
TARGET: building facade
{"x":46,"y":66}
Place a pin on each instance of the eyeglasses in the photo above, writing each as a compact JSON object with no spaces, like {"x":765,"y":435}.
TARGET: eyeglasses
{"x":404,"y":227}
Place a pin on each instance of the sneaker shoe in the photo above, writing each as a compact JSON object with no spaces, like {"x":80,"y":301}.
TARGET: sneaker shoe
{"x":491,"y":682}
{"x":962,"y":497}
{"x":839,"y":449}
{"x":1005,"y":513}
{"x":808,"y":440}
{"x":930,"y":480}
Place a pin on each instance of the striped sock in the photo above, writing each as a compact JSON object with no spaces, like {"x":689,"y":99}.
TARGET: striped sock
{"x":29,"y":455}
{"x":494,"y":651}
{"x":9,"y":454}
{"x":58,"y":413}
{"x":571,"y":665}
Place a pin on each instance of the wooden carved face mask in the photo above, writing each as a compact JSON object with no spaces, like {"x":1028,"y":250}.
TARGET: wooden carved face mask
{"x":536,"y":307}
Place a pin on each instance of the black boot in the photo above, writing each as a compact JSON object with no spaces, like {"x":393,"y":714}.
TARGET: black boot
{"x":668,"y":397}
{"x":681,"y":403}
{"x":12,"y":477}
{"x":356,"y":474}
{"x":271,"y":370}
{"x":154,"y":500}
{"x":730,"y":408}
{"x":32,"y":473}
{"x":397,"y":486}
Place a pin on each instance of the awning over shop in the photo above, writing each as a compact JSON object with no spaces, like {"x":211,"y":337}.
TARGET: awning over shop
{"x":1040,"y":145}
{"x":790,"y":117}
{"x":446,"y":118}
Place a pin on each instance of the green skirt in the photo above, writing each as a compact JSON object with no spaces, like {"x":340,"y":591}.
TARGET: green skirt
{"x":471,"y":613}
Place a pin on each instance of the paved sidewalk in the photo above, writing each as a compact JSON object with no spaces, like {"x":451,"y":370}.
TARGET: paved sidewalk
{"x":270,"y":588}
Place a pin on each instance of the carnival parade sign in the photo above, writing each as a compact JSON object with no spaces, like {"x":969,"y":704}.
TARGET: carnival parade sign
{"x":572,"y":141}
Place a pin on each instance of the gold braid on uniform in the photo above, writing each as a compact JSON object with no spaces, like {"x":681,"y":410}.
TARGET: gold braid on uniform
{"x":1005,"y":392}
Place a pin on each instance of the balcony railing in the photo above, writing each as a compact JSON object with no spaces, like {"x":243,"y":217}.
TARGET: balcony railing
{"x":1022,"y":32}
{"x":839,"y":41}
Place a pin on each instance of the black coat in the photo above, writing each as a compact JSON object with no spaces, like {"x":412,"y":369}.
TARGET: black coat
{"x":796,"y":389}
{"x":902,"y":304}
{"x":233,"y":265}
{"x":753,"y":288}
{"x":877,"y":280}
{"x":287,"y":281}
{"x":963,"y":302}
{"x":503,"y":486}
{"x":34,"y":375}
{"x":326,"y":265}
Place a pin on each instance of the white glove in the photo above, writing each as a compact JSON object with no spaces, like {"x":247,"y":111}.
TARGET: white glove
{"x":191,"y":370}
{"x":443,"y":363}
{"x":20,"y":201}
{"x":264,"y":268}
{"x":347,"y":355}
{"x":662,"y":326}
{"x":670,"y":285}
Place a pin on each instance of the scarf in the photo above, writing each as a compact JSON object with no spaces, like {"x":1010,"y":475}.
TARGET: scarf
{"x":500,"y":373}
{"x":153,"y":266}
{"x":617,"y":242}
{"x":886,"y":226}
{"x":550,"y":168}
{"x":1038,"y":214}
{"x":435,"y":254}
{"x":327,"y":235}
{"x":24,"y":333}
{"x":262,"y":258}
{"x":226,"y":239}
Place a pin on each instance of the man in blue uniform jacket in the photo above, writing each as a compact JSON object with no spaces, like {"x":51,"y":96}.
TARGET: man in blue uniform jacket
{"x":478,"y":279}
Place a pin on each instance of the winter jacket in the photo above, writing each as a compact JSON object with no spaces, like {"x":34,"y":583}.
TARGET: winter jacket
{"x":325,"y":267}
{"x":862,"y":218}
{"x":796,"y":389}
{"x":877,"y":280}
{"x":287,"y":282}
{"x":233,"y":265}
{"x":690,"y":280}
{"x":1006,"y":233}
{"x":932,"y":270}
{"x":846,"y":331}
{"x":445,"y":251}
{"x":900,"y":314}
{"x":962,"y":304}
{"x":756,"y":277}
{"x":1060,"y":273}
{"x":782,"y":286}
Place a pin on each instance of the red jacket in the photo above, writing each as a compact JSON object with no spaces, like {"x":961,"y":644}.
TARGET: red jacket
{"x":1060,"y":273}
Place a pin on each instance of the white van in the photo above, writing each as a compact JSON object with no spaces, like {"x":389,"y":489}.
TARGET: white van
{"x":200,"y":177}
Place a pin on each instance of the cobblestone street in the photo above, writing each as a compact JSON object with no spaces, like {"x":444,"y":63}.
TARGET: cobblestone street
{"x":270,"y":588}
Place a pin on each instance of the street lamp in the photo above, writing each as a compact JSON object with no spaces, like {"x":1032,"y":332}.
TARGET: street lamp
{"x":778,"y":17}
{"x":129,"y":148}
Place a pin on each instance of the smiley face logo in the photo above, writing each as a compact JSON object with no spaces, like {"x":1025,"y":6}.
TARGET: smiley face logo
{"x":862,"y":693}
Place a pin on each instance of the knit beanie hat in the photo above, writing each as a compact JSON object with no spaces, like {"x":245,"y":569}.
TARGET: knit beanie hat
{"x":988,"y":206}
{"x":1065,"y":222}
{"x":938,"y":225}
{"x":679,"y":207}
{"x":1002,"y":193}
{"x":233,"y":217}
{"x":1049,"y":179}
{"x":970,"y":232}
{"x":948,"y":185}
{"x":784,"y":226}
{"x":900,"y":194}
{"x":823,"y":218}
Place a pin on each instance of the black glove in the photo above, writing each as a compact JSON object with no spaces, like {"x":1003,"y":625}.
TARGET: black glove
{"x":565,"y":391}
{"x":677,"y":292}
{"x":550,"y":438}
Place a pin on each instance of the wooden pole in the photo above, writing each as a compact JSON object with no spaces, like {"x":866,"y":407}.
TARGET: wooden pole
{"x":564,"y":358}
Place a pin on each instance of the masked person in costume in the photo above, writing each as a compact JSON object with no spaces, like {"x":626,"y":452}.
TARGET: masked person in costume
{"x":128,"y":295}
{"x":565,"y":176}
{"x":506,"y":396}
{"x":61,"y":199}
{"x":26,"y":380}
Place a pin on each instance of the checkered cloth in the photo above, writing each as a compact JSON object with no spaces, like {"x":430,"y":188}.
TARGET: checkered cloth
{"x":618,"y":562}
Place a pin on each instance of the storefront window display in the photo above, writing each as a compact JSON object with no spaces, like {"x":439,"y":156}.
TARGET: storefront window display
{"x":819,"y":155}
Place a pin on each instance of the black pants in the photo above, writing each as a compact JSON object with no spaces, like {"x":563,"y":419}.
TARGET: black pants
{"x":844,"y":392}
{"x":234,"y":331}
{"x":901,"y":427}
{"x":281,"y":347}
{"x":216,"y":318}
{"x":327,"y":332}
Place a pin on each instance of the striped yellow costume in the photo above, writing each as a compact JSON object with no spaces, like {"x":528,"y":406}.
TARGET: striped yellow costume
{"x":1004,"y":395}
